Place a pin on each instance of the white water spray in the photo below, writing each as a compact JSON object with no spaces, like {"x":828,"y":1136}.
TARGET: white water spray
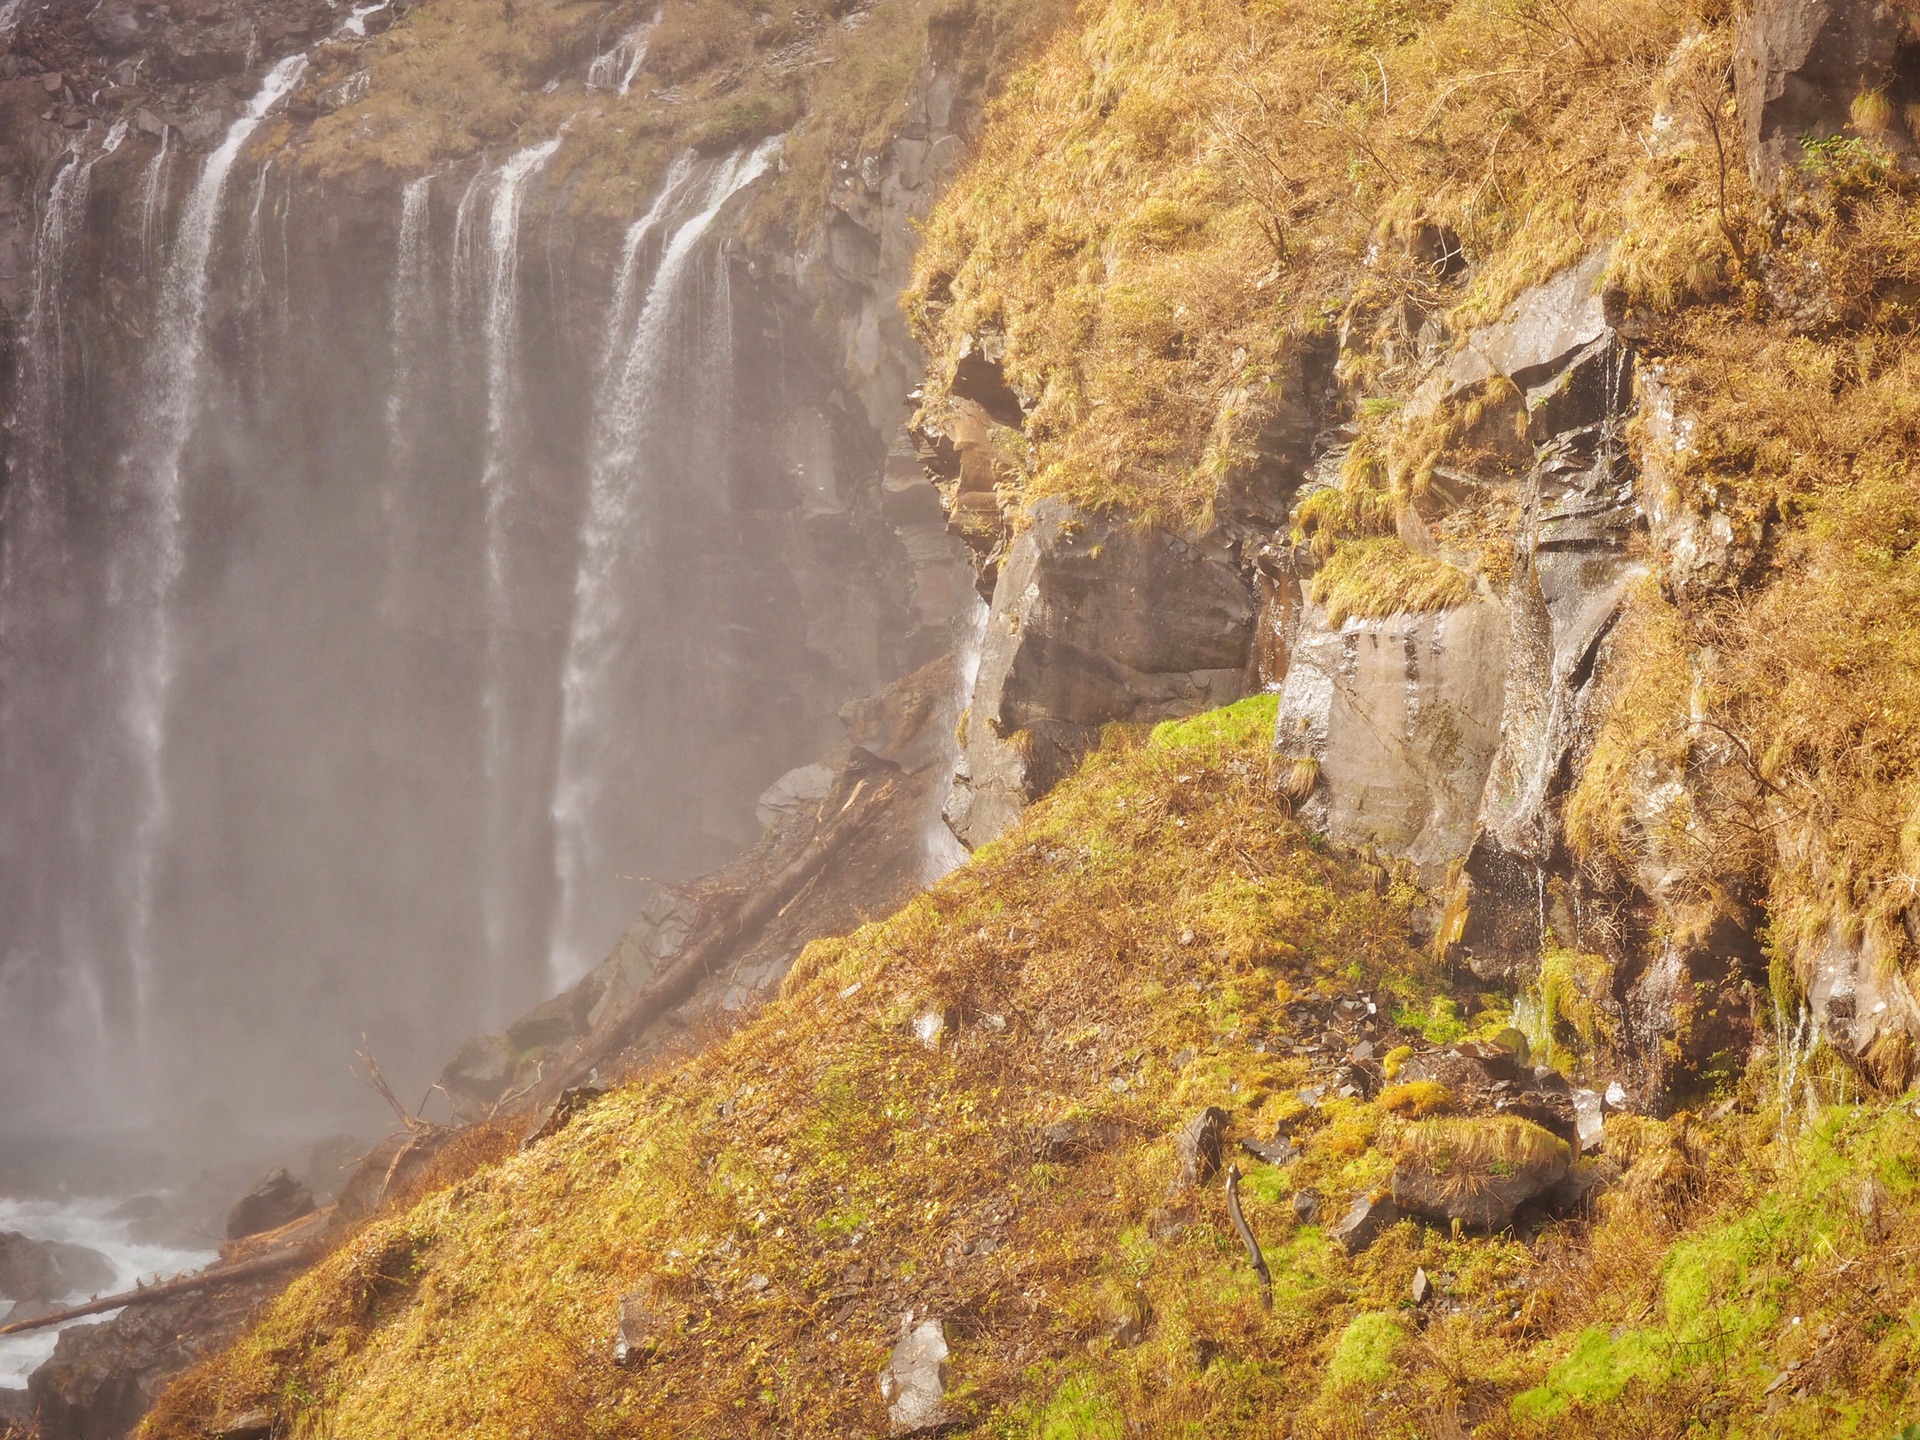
{"x":172,"y":390}
{"x":624,"y":420}
{"x":410,"y":305}
{"x":411,"y":311}
{"x":153,"y":199}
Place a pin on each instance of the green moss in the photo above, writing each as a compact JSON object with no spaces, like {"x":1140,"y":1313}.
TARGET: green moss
{"x":1236,"y":726}
{"x":1363,"y":1356}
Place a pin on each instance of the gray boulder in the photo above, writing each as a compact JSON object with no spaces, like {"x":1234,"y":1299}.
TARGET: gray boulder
{"x":1366,"y":1220}
{"x":36,"y":1271}
{"x":914,"y":1381}
{"x":122,"y":26}
{"x":1201,"y":1147}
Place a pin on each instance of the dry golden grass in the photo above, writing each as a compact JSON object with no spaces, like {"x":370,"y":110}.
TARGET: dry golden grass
{"x":1178,"y":194}
{"x":454,"y":78}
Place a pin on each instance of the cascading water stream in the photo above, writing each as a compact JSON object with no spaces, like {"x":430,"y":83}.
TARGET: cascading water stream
{"x":153,"y":197}
{"x":412,"y":280}
{"x":618,"y":68}
{"x":37,"y":578}
{"x":945,"y":854}
{"x":626,"y":418}
{"x":502,"y":314}
{"x":147,"y":592}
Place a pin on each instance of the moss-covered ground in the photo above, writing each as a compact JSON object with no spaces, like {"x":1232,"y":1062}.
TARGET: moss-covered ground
{"x":1132,"y":953}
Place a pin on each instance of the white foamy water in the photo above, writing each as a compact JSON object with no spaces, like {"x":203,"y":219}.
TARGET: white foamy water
{"x":945,"y":853}
{"x":83,"y":1222}
{"x":502,"y":336}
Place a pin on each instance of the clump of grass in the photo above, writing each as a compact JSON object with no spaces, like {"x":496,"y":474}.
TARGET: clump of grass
{"x":1416,"y":1100}
{"x":1382,"y":576}
{"x":1469,"y":1155}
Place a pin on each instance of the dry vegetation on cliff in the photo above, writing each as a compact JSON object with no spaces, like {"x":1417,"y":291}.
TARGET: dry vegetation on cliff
{"x":1176,"y":197}
{"x":1178,"y":194}
{"x":457,"y":77}
{"x":780,"y":1201}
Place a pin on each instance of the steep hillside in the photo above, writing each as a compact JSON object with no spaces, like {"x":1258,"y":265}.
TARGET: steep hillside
{"x":970,"y":1113}
{"x":1519,"y":394}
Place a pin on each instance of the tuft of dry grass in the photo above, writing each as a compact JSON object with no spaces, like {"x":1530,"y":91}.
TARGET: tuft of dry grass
{"x":1467,"y":1156}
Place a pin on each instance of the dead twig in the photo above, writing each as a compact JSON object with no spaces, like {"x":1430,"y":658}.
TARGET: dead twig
{"x":1258,"y":1260}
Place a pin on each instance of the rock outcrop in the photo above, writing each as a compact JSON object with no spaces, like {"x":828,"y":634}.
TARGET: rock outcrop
{"x":1799,"y":66}
{"x":1093,"y":620}
{"x":1399,"y":719}
{"x":1447,"y":736}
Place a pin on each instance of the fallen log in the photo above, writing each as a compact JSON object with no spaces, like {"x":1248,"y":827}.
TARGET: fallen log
{"x":679,"y":980}
{"x":259,"y":1265}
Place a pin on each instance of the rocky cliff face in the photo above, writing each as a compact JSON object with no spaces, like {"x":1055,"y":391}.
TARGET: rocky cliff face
{"x":563,"y":533}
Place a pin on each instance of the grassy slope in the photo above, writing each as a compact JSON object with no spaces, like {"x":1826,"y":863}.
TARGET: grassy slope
{"x":1178,"y":192}
{"x":784,"y":1198}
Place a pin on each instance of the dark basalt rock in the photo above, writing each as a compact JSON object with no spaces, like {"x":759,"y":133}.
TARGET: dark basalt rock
{"x":277,"y":1200}
{"x":103,"y":1378}
{"x":1365,"y":1222}
{"x":1201,"y":1147}
{"x":1093,"y":620}
{"x":1798,"y":66}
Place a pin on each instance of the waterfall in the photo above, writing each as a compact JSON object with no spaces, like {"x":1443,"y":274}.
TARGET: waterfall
{"x":502,"y":348}
{"x":356,"y":23}
{"x":632,"y":409}
{"x":37,"y":586}
{"x":254,"y":259}
{"x":44,"y":367}
{"x":412,"y":277}
{"x":153,"y":197}
{"x":618,"y":68}
{"x":945,"y":854}
{"x":169,"y":404}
